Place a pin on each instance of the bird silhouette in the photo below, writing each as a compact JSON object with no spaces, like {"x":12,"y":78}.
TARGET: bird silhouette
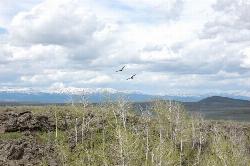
{"x":121,"y":69}
{"x":132,"y":77}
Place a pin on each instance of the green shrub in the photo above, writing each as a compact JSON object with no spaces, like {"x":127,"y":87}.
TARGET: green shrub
{"x":113,"y":134}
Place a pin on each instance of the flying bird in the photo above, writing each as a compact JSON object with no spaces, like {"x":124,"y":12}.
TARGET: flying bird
{"x":132,"y":77}
{"x":120,"y":69}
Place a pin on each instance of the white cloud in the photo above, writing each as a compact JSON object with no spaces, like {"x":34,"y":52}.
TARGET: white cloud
{"x":9,"y":8}
{"x":174,"y":46}
{"x":246,"y":59}
{"x":158,"y":53}
{"x":55,"y":23}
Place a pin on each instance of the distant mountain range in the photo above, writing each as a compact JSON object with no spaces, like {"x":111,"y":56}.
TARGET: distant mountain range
{"x":215,"y":107}
{"x":217,"y":103}
{"x":46,"y":97}
{"x":221,"y":108}
{"x":98,"y":96}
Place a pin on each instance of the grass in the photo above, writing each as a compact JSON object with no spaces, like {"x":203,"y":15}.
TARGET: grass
{"x":113,"y":134}
{"x":10,"y":136}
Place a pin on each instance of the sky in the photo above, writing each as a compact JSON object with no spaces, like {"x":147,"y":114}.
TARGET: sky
{"x":175,"y":47}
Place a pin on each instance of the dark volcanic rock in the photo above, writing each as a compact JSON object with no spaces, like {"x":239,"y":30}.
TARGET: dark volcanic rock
{"x":16,"y":152}
{"x":26,"y":152}
{"x":11,"y":121}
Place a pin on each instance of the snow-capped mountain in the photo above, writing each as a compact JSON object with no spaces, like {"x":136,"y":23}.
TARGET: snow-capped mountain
{"x":68,"y":94}
{"x":64,"y":95}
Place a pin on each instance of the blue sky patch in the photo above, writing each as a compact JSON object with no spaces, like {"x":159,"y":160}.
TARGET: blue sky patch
{"x":3,"y":30}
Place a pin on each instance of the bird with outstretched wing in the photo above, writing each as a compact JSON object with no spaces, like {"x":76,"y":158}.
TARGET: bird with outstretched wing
{"x":132,"y":77}
{"x":121,"y":69}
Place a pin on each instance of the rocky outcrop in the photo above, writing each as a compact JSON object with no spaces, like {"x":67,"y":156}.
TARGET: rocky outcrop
{"x":11,"y":121}
{"x":24,"y":152}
